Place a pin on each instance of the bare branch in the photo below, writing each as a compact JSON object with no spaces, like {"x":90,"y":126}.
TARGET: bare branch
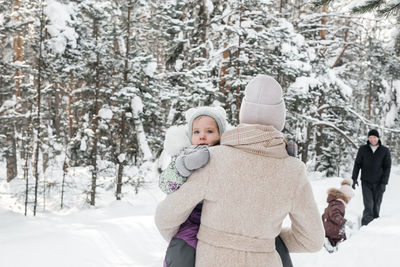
{"x":323,"y":123}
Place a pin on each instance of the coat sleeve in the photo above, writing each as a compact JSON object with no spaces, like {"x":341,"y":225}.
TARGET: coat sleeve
{"x":387,"y":164}
{"x":170,"y":180}
{"x":177,"y":206}
{"x":335,"y":215}
{"x":306,"y":233}
{"x":357,"y":165}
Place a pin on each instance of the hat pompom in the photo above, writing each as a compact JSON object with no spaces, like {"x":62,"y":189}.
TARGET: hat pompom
{"x":347,"y":182}
{"x":346,"y":188}
{"x":176,"y":140}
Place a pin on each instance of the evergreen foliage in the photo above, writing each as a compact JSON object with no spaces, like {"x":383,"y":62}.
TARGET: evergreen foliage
{"x":114,"y":75}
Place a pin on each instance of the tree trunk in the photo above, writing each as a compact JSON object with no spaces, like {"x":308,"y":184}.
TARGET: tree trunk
{"x":369,"y":100}
{"x":26,"y":155}
{"x":224,"y":68}
{"x":224,"y":71}
{"x":121,"y":164}
{"x":323,"y":22}
{"x":346,"y":34}
{"x":26,"y":176}
{"x":318,"y":146}
{"x":11,"y":154}
{"x":204,"y":15}
{"x":397,"y":44}
{"x":319,"y":138}
{"x":70,"y":116}
{"x":18,"y":49}
{"x":38,"y":119}
{"x":57,"y":119}
{"x":127,"y":43}
{"x":94,"y":171}
{"x":141,"y":136}
{"x":63,"y":182}
{"x":304,"y":152}
{"x":237,"y":65}
{"x":281,"y":5}
{"x":95,"y":124}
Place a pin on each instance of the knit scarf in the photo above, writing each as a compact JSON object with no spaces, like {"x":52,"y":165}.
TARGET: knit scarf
{"x":257,"y":139}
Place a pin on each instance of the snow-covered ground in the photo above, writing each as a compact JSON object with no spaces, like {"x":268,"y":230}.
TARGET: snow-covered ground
{"x":122,"y":233}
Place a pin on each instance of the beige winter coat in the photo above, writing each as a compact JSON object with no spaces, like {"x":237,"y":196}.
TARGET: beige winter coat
{"x":249,"y":186}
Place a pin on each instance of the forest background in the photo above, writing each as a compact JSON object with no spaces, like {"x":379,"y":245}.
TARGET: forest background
{"x":95,"y":84}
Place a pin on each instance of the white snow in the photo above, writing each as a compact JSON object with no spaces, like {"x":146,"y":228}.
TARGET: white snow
{"x":105,"y":113}
{"x":121,"y":157}
{"x":151,"y":68}
{"x":8,"y":104}
{"x":137,"y":108}
{"x":137,"y":105}
{"x":178,"y":65}
{"x":122,"y":233}
{"x":391,"y":116}
{"x":303,"y":84}
{"x":209,"y":6}
{"x":61,"y":33}
{"x":394,"y":3}
{"x":344,"y":88}
{"x":396,"y":85}
{"x":83,"y":145}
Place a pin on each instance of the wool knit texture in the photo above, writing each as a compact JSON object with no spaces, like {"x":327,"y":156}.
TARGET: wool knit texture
{"x":257,"y":139}
{"x":246,"y":194}
{"x":217,"y":113}
{"x":263,"y":103}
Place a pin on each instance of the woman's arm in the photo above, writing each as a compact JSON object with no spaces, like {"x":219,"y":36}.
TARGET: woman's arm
{"x":306,"y":233}
{"x":176,"y":207}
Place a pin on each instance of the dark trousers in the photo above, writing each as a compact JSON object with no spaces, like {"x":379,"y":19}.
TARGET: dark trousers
{"x":372,"y":197}
{"x":283,"y":252}
{"x":180,"y":254}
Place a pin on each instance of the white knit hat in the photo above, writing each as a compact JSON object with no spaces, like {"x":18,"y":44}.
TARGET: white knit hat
{"x":263,"y":103}
{"x":217,"y":113}
{"x":346,"y":188}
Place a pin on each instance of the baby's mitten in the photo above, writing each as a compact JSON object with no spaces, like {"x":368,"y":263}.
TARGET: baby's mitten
{"x":192,"y":158}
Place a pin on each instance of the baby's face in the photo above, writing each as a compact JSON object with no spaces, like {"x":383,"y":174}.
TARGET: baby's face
{"x":205,"y":131}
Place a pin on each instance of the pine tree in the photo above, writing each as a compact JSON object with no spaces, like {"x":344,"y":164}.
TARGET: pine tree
{"x":185,"y":29}
{"x":380,"y":6}
{"x":324,"y":117}
{"x":7,"y":92}
{"x":94,"y":26}
{"x":260,"y":41}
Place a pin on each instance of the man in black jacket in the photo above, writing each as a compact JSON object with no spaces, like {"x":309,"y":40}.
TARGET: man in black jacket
{"x":374,"y":161}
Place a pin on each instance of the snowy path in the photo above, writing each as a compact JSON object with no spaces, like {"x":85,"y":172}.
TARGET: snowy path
{"x":374,"y":245}
{"x":120,"y":234}
{"x":123,"y":234}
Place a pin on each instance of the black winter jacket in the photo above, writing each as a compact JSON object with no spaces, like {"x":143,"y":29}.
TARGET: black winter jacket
{"x":375,"y":167}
